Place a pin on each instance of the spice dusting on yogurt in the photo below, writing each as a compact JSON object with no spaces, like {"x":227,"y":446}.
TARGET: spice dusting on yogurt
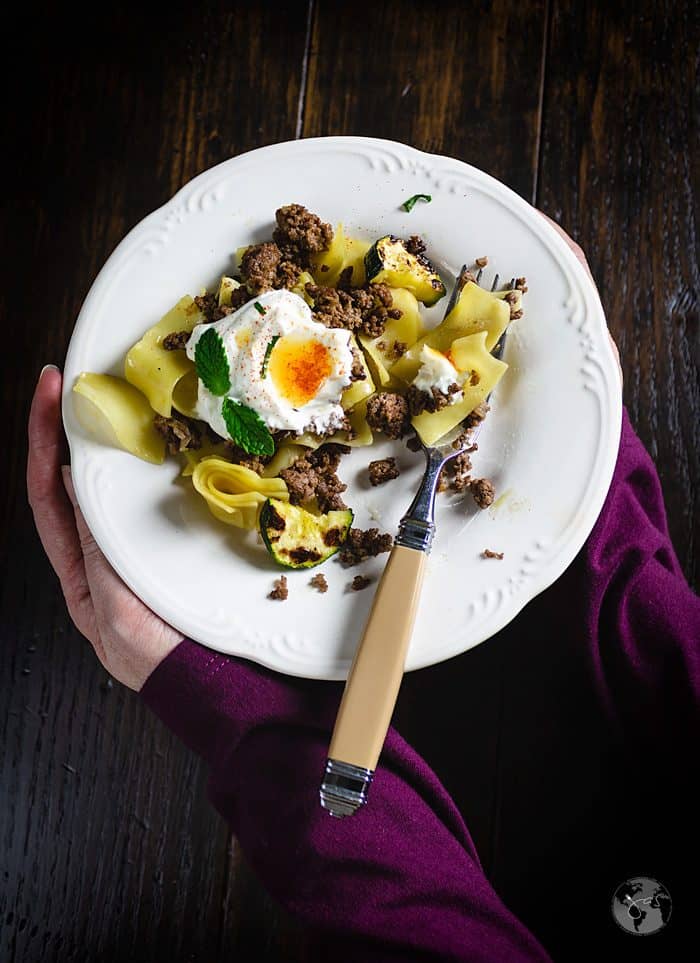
{"x":287,"y":367}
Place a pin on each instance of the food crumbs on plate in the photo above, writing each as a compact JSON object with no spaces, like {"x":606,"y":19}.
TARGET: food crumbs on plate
{"x":319,"y":582}
{"x":482,"y":491}
{"x":383,"y":470}
{"x":279,"y":592}
{"x":481,"y":262}
{"x":360,"y":582}
{"x":487,"y":553}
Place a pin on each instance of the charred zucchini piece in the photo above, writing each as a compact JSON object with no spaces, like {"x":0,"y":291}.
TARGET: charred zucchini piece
{"x":297,"y":538}
{"x":389,"y":261}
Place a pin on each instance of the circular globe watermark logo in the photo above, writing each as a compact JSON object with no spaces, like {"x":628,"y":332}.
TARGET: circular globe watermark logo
{"x":641,"y":906}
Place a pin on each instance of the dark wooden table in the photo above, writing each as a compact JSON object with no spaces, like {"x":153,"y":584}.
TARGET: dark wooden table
{"x":108,"y":848}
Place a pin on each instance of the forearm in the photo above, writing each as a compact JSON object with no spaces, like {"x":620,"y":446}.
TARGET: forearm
{"x":399,"y":880}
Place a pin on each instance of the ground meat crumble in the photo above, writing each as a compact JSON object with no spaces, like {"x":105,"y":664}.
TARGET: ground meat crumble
{"x":279,"y":592}
{"x":487,"y":553}
{"x":476,"y":416}
{"x":180,"y":433}
{"x":265,"y":269}
{"x":434,"y":400}
{"x":361,"y":545}
{"x":319,"y":582}
{"x":383,"y":470}
{"x":239,"y":456}
{"x":389,"y":413}
{"x":209,"y":305}
{"x":300,"y":233}
{"x":313,"y":476}
{"x":176,"y":341}
{"x":363,"y":310}
{"x":482,"y":491}
{"x":360,"y":582}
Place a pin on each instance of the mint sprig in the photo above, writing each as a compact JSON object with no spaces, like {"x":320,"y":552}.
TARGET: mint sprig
{"x":246,"y":428}
{"x":211,"y":362}
{"x":411,"y":202}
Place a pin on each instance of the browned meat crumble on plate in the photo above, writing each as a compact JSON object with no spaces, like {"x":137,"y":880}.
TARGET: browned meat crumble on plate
{"x":363,"y":310}
{"x":265,"y":269}
{"x":279,"y":592}
{"x":300,"y":233}
{"x":481,"y":262}
{"x":319,"y":582}
{"x":314,"y":476}
{"x":388,"y":412}
{"x":180,"y":433}
{"x":487,"y":553}
{"x":209,"y":305}
{"x":360,"y":582}
{"x":383,"y":470}
{"x":483,"y":492}
{"x":361,"y":545}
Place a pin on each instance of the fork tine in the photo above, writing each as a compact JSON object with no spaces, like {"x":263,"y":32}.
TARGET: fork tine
{"x":495,"y":282}
{"x":456,"y":291}
{"x":511,"y":286}
{"x":478,"y":275}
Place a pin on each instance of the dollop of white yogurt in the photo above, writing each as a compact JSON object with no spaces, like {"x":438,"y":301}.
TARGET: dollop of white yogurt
{"x":279,"y":321}
{"x":437,"y":371}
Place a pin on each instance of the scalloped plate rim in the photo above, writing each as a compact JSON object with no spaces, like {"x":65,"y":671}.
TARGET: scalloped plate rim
{"x":606,"y":453}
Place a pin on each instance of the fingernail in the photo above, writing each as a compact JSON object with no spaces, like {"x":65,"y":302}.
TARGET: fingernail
{"x":47,"y":367}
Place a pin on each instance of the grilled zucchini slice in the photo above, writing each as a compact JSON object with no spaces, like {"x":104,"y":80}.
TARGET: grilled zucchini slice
{"x":389,"y":261}
{"x":297,"y":538}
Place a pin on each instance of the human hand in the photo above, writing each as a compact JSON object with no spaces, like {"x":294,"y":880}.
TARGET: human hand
{"x":128,"y":639}
{"x":581,"y":257}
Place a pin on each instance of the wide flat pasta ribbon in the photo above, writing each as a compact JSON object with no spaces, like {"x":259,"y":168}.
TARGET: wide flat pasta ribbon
{"x":471,"y":354}
{"x":117,"y":414}
{"x":233,"y":493}
{"x":476,"y":310}
{"x":154,"y":370}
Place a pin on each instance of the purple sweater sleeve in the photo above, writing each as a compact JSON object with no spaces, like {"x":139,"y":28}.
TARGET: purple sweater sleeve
{"x":641,"y":619}
{"x":402,"y":880}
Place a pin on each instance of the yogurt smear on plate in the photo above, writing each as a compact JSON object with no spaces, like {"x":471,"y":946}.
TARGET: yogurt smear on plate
{"x":287,"y":367}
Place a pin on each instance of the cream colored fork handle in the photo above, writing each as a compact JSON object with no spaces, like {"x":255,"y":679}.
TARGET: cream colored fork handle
{"x":375,"y":675}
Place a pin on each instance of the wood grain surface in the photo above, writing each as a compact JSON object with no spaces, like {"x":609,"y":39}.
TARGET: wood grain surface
{"x":108,"y":848}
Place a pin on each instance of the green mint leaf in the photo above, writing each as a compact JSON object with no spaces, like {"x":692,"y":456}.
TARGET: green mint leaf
{"x":211,"y":362}
{"x":411,"y":202}
{"x":246,"y":428}
{"x":259,"y":308}
{"x":268,"y":351}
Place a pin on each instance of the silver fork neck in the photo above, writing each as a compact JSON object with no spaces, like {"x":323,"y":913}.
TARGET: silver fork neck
{"x":417,"y":527}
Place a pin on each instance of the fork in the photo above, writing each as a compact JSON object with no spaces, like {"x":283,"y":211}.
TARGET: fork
{"x":375,"y":676}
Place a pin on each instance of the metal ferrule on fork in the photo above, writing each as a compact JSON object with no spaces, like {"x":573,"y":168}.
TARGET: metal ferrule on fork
{"x":417,"y":527}
{"x":344,"y":788}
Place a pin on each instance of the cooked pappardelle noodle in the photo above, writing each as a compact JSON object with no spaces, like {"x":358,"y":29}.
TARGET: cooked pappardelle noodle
{"x":313,"y":344}
{"x":235,"y":494}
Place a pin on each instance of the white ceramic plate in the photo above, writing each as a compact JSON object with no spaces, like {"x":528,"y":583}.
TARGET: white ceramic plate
{"x":549,"y":443}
